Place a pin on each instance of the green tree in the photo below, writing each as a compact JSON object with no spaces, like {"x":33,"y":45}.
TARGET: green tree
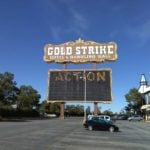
{"x":108,"y":112}
{"x":53,"y":108}
{"x":8,"y":89}
{"x":28,"y":98}
{"x":88,"y":110}
{"x":134,"y":100}
{"x":43,"y":105}
{"x":72,"y":110}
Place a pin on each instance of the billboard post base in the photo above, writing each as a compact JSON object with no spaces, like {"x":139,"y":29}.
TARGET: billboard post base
{"x":62,"y":116}
{"x":95,"y":108}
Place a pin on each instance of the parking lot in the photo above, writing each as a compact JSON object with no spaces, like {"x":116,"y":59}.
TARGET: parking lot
{"x":69,"y":134}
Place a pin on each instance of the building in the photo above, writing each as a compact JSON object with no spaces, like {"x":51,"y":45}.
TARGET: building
{"x":144,"y":89}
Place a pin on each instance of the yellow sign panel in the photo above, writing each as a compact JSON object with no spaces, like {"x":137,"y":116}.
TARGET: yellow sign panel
{"x":80,"y":51}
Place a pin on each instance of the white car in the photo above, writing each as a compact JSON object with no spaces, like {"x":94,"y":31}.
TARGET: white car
{"x":51,"y":115}
{"x":135,"y":118}
{"x":90,"y":117}
{"x":105,"y":117}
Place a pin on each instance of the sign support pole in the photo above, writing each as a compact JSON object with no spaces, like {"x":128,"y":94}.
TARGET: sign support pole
{"x":62,"y":116}
{"x":95,"y":103}
{"x":95,"y":108}
{"x":85,"y":95}
{"x":62,"y":105}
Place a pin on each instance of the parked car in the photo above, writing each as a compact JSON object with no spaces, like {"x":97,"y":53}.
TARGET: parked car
{"x":119,"y":117}
{"x":105,"y":117}
{"x":89,"y":117}
{"x":50,"y":115}
{"x":100,"y":124}
{"x":135,"y":118}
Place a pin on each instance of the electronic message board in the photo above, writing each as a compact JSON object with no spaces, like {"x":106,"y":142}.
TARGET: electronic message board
{"x":74,"y":85}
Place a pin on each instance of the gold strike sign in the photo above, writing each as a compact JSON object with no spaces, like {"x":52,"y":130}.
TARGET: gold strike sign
{"x":80,"y":51}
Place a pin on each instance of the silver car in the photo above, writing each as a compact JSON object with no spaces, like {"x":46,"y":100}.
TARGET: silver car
{"x":135,"y":118}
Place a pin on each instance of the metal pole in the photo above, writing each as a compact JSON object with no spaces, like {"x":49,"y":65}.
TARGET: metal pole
{"x":84,"y":94}
{"x":62,"y":115}
{"x":95,"y":103}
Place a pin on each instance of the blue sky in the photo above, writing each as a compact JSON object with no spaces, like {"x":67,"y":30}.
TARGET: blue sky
{"x":27,"y":25}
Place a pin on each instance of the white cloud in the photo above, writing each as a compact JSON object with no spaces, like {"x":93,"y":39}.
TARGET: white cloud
{"x":79,"y":21}
{"x":77,"y":24}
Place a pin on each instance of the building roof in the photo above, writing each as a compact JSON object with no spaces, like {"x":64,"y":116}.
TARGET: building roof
{"x":147,"y":89}
{"x":144,"y":87}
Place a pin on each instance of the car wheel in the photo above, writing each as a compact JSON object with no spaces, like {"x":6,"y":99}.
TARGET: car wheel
{"x":111,"y":129}
{"x":90,"y":128}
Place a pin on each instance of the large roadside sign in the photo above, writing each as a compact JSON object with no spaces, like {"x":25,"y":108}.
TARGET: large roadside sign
{"x":72,"y":85}
{"x":80,"y":51}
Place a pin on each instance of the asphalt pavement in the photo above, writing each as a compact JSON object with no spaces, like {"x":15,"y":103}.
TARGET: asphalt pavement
{"x":69,"y":134}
